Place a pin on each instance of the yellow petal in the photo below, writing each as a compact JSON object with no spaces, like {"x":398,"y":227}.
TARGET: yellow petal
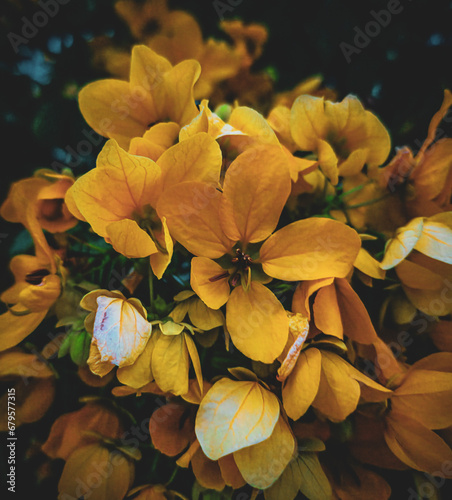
{"x":180,"y":103}
{"x":13,"y":329}
{"x":338,"y":394}
{"x":128,"y":239}
{"x":310,"y":249}
{"x":117,"y":188}
{"x":120,"y":330}
{"x":308,"y":121}
{"x":253,"y":196}
{"x":233,"y":415}
{"x":257,"y":322}
{"x":140,"y":372}
{"x":403,"y":242}
{"x":170,"y":364}
{"x":113,"y":110}
{"x":328,"y":161}
{"x":253,"y":124}
{"x":354,"y":163}
{"x":193,"y":353}
{"x":204,"y":317}
{"x":213,"y":293}
{"x":16,"y":362}
{"x":191,"y":211}
{"x":261,"y":464}
{"x":198,"y":158}
{"x":160,"y":260}
{"x":302,"y":385}
{"x":368,"y":265}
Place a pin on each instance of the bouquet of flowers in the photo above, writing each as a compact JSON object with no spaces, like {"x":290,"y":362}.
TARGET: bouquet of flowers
{"x":247,"y":292}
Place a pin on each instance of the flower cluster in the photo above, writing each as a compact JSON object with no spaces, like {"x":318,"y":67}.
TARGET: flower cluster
{"x":286,"y":291}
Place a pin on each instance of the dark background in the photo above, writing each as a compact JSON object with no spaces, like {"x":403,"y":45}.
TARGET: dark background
{"x":400,"y":75}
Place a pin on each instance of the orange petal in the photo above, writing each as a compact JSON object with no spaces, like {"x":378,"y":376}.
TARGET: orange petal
{"x":415,"y":445}
{"x":171,"y":428}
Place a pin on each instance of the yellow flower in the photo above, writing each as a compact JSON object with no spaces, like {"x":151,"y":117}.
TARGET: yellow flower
{"x":344,"y":135}
{"x":324,"y":380}
{"x":155,"y":92}
{"x":120,"y":196}
{"x":429,"y":172}
{"x":38,"y":203}
{"x":336,"y":309}
{"x":177,"y":36}
{"x":243,"y":417}
{"x":230,"y":233}
{"x":165,"y":359}
{"x":244,"y":129}
{"x":35,"y":290}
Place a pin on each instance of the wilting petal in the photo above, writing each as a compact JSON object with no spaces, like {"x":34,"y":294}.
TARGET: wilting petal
{"x":233,"y":415}
{"x":120,"y":331}
{"x":310,"y":249}
{"x":253,"y":195}
{"x":257,"y":322}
